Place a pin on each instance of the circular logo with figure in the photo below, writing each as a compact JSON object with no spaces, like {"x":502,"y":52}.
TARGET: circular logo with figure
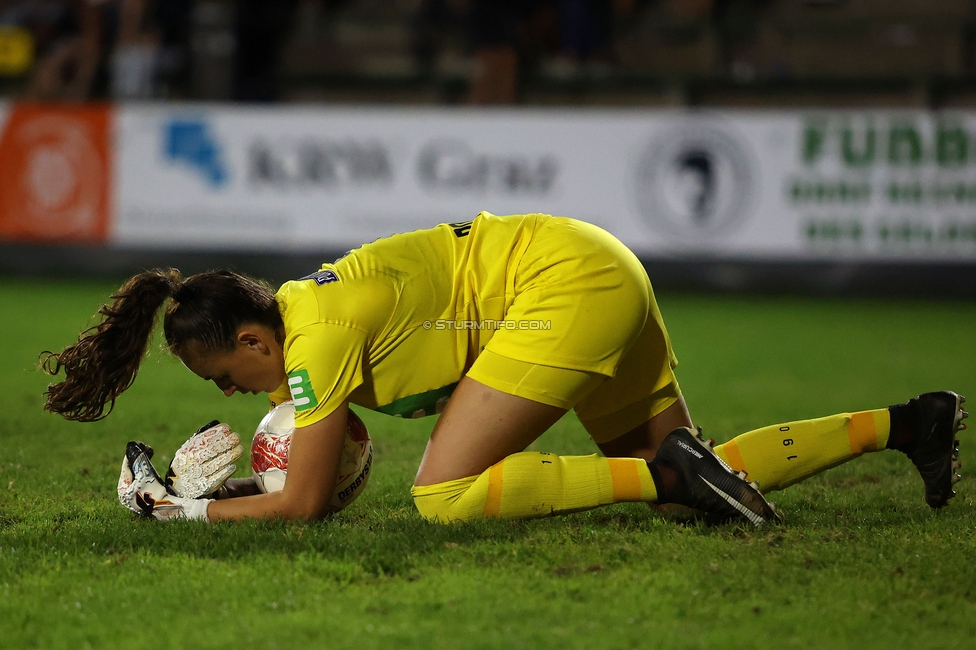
{"x":695,"y":181}
{"x":53,"y":173}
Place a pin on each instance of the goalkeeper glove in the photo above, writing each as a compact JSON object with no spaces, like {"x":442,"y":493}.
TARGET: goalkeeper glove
{"x":142,"y":491}
{"x":204,"y":461}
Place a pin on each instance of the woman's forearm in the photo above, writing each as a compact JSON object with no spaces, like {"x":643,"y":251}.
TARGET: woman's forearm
{"x":313,"y":465}
{"x":258,"y":506}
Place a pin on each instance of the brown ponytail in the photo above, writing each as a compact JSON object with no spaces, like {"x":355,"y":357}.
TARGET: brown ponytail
{"x":208,"y":308}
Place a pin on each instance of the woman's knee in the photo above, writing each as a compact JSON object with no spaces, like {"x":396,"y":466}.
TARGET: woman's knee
{"x":444,"y":502}
{"x":643,"y":440}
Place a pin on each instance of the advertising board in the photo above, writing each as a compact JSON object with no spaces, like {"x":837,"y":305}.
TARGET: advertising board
{"x":755,"y":185}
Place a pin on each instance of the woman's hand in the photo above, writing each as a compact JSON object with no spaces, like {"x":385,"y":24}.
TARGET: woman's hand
{"x":142,"y":491}
{"x":205,"y":461}
{"x":313,"y":466}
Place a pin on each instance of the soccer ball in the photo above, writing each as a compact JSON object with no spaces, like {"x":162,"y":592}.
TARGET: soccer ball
{"x":272,"y":440}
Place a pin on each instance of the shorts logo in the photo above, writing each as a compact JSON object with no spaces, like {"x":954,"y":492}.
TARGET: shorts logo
{"x":322,"y":277}
{"x":301,"y":390}
{"x":696,"y":180}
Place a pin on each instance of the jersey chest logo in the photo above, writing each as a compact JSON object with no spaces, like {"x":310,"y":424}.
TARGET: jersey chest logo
{"x":322,"y":277}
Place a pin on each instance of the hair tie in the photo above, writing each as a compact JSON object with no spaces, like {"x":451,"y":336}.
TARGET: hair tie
{"x":180,"y":294}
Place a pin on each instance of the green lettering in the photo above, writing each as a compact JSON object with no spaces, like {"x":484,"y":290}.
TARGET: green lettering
{"x":893,"y":193}
{"x":795,"y":191}
{"x":813,"y":142}
{"x":904,"y":145}
{"x":860,"y":158}
{"x":951,"y":145}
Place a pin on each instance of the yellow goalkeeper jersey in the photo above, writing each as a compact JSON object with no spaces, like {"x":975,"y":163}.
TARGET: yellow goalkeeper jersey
{"x":395,"y":324}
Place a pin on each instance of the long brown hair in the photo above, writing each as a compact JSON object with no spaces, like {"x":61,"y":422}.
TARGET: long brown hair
{"x":207,"y":308}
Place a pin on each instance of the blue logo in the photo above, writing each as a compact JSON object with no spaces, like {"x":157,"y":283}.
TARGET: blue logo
{"x":190,"y":141}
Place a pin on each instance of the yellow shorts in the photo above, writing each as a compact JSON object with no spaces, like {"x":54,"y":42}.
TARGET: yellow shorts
{"x":597,"y":327}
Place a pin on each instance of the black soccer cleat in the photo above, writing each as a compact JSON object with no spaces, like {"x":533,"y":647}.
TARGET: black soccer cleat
{"x":934,"y":449}
{"x":702,"y":481}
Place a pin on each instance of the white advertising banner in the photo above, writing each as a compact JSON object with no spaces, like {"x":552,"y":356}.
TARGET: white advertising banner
{"x":780,"y":185}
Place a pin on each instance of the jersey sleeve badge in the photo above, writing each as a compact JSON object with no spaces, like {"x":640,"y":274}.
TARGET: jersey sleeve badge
{"x":300,"y":387}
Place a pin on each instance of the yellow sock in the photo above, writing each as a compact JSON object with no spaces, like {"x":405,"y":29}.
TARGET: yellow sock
{"x":783,"y":454}
{"x":537,"y":484}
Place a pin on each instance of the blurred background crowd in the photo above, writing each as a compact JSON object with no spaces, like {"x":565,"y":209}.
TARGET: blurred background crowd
{"x":638,"y":52}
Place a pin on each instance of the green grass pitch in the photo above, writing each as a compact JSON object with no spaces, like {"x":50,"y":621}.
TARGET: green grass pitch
{"x":861,"y":561}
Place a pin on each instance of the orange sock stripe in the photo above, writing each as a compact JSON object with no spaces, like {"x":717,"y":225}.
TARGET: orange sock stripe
{"x":862,"y":432}
{"x":493,"y":502}
{"x":626,"y":479}
{"x":732,"y":456}
{"x":882,"y":428}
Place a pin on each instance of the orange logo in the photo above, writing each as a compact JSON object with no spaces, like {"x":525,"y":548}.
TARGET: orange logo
{"x":55,"y":174}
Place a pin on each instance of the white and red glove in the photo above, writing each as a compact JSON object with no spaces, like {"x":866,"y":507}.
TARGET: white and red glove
{"x":204,"y":462}
{"x":142,"y":491}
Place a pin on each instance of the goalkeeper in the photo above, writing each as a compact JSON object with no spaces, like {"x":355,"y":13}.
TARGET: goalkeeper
{"x":501,"y":325}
